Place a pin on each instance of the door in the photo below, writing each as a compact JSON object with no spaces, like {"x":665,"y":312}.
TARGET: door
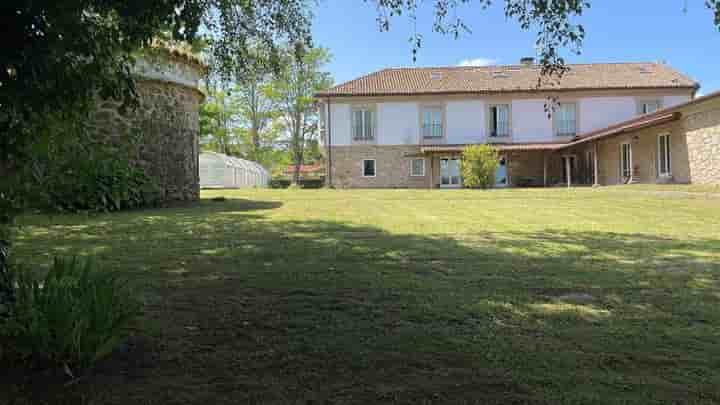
{"x":449,"y":173}
{"x":590,"y":167}
{"x":501,"y":179}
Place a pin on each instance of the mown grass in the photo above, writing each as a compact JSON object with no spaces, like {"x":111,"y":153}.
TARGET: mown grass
{"x":553,"y":296}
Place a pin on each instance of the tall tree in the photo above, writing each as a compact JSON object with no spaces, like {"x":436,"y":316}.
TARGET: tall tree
{"x":57,"y":56}
{"x":293,"y":90}
{"x":219,"y":117}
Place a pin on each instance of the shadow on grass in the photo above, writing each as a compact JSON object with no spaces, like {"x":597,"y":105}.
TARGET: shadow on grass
{"x":243,"y":308}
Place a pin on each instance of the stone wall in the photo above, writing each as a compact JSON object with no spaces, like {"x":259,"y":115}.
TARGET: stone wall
{"x":702,"y":131}
{"x":163,"y":132}
{"x":392,"y":166}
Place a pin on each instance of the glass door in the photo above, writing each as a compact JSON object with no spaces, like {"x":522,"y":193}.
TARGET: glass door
{"x":449,"y":173}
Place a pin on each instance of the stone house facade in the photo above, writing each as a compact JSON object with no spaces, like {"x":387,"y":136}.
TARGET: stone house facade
{"x":406,"y":128}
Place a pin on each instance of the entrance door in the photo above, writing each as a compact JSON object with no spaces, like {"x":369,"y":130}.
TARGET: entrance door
{"x":449,"y":173}
{"x":590,"y":167}
{"x":501,"y":179}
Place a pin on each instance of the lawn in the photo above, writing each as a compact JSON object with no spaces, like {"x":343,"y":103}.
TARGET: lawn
{"x":581,"y":296}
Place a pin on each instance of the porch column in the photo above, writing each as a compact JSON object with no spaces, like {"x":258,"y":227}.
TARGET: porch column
{"x":567,"y":170}
{"x":596,"y":182}
{"x":545,"y":168}
{"x":430,"y":175}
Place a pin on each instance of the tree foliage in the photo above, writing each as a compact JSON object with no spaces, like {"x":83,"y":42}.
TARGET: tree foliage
{"x":57,"y":57}
{"x":557,"y":23}
{"x":293,"y":90}
{"x":478,"y":165}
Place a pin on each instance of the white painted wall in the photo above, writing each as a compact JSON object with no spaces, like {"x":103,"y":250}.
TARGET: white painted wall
{"x":465,"y":121}
{"x":340,"y":124}
{"x":600,"y":112}
{"x":670,"y":101}
{"x":398,"y":124}
{"x":530,"y":122}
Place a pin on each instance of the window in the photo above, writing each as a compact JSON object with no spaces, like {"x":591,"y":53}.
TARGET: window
{"x":368,"y":168}
{"x":417,"y":167}
{"x":363,"y":124}
{"x":664,"y":155}
{"x":500,"y":120}
{"x":565,"y":117}
{"x":432,"y":122}
{"x":625,"y":160}
{"x":649,"y":106}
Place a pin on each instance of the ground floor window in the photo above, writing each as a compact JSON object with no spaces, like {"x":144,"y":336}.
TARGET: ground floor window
{"x":664,"y":155}
{"x":417,"y":167}
{"x":626,"y":160}
{"x":449,"y":172}
{"x":368,"y":168}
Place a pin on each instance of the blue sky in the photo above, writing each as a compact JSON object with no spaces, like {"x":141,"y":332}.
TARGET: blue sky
{"x":616,"y":31}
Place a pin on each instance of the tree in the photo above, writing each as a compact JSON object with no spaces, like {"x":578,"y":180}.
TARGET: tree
{"x":218,"y":119}
{"x":478,"y":165}
{"x":56,"y":57}
{"x":293,"y":90}
{"x":553,"y":20}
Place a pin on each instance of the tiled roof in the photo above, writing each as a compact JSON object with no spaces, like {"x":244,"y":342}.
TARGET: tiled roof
{"x":494,"y":79}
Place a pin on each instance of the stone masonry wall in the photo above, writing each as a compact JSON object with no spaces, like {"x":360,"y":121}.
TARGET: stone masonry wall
{"x":702,"y":130}
{"x":392,"y":166}
{"x":163,"y":132}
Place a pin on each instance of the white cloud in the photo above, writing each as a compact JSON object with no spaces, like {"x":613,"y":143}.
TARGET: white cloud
{"x":478,"y":62}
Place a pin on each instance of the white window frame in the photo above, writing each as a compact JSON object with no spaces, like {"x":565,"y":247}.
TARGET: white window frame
{"x":508,"y":125}
{"x":364,"y":111}
{"x":668,"y":173}
{"x":362,"y":168}
{"x":412,"y":166}
{"x":427,"y":134}
{"x":644,"y":102}
{"x":622,"y":160}
{"x":556,"y":126}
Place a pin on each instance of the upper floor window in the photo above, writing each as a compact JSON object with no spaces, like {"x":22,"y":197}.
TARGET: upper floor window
{"x":649,"y":106}
{"x":363,"y":124}
{"x":499,"y":120}
{"x":565,"y":119}
{"x":432,"y":126}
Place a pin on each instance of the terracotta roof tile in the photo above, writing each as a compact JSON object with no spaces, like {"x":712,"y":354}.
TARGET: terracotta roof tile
{"x":491,"y":79}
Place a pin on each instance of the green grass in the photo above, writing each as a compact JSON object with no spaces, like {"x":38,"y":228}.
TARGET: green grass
{"x":556,"y":296}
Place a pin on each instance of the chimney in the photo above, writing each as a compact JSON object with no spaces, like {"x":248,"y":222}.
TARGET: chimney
{"x":527,"y":61}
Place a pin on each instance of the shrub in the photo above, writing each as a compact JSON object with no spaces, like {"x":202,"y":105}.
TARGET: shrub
{"x":279,"y":182}
{"x":478,"y":166}
{"x":75,"y":315}
{"x":100,"y":184}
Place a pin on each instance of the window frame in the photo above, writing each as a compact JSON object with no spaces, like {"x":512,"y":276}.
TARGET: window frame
{"x":668,"y":156}
{"x":412,"y":166}
{"x":372,"y":110}
{"x":421,"y":120}
{"x":490,"y":118}
{"x":556,"y":127}
{"x":642,"y":102}
{"x":622,"y":160}
{"x":362,"y":168}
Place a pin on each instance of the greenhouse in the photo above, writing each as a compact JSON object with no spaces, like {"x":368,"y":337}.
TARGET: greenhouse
{"x":223,"y":171}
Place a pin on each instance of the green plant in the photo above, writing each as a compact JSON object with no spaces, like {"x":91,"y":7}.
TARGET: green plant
{"x":478,"y":166}
{"x":74,"y":315}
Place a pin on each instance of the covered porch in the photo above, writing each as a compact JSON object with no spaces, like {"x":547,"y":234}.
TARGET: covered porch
{"x":521,"y":165}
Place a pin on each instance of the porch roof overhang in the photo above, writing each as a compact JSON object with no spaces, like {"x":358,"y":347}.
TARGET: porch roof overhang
{"x":628,"y":126}
{"x":502,"y":147}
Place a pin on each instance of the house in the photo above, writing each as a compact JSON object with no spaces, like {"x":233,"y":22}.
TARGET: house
{"x":604,"y":123}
